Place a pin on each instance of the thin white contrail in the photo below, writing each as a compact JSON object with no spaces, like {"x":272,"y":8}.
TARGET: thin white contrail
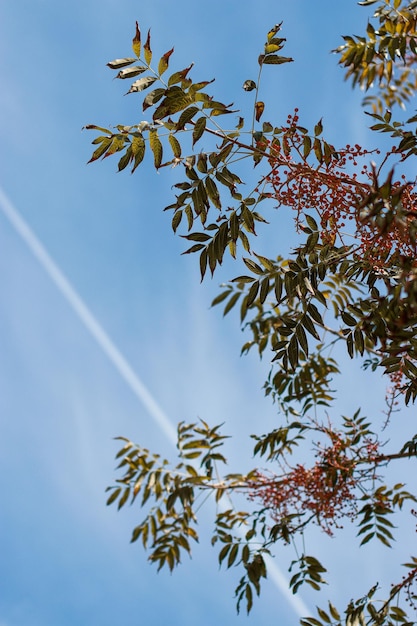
{"x":118,"y":360}
{"x":87,"y":318}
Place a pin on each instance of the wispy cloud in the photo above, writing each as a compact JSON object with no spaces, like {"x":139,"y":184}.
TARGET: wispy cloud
{"x":87,"y":318}
{"x":117,"y":359}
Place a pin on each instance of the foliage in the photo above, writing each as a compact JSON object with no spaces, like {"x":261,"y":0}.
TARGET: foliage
{"x":349,"y":281}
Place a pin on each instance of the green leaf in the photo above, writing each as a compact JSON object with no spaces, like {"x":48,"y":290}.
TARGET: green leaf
{"x":186,"y":116}
{"x":118,"y":63}
{"x":274,"y":30}
{"x":233,"y":555}
{"x":323,"y":615}
{"x":247,"y":218}
{"x":309,"y":326}
{"x":293,"y":353}
{"x":249,"y":598}
{"x":359,"y":340}
{"x":306,"y":146}
{"x":278,"y":288}
{"x":197,"y":237}
{"x":175,"y":146}
{"x":348,"y":318}
{"x":156,"y":147}
{"x":263,"y":294}
{"x":100,"y":128}
{"x":138,"y":150}
{"x":302,"y":338}
{"x":317,"y":150}
{"x":213,"y":192}
{"x":223,"y":552}
{"x":314,"y":312}
{"x":176,"y":220}
{"x":125,"y":160}
{"x":272,"y":47}
{"x":229,"y":306}
{"x":153,"y":97}
{"x":130,"y":72}
{"x":124,"y":498}
{"x":311,"y":621}
{"x":318,"y":129}
{"x":175,"y":100}
{"x":311,"y":222}
{"x":178,"y":77}
{"x":147,"y":49}
{"x":274,"y":59}
{"x":114,"y":495}
{"x":196,"y":248}
{"x":141,"y":84}
{"x":249,"y":85}
{"x":202,"y":163}
{"x":334,"y":612}
{"x":222,"y":296}
{"x":99,"y":152}
{"x":254,"y":267}
{"x":136,"y":533}
{"x":136,"y":41}
{"x":203,"y":262}
{"x":199,"y":128}
{"x":252,"y":293}
{"x":164,"y":62}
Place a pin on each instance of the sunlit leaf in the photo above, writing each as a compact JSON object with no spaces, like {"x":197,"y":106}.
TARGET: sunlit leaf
{"x":175,"y":146}
{"x":98,"y":152}
{"x":136,"y":42}
{"x":118,"y":63}
{"x":131,"y":71}
{"x":138,"y":150}
{"x":147,"y":49}
{"x":141,"y":84}
{"x":153,"y":97}
{"x":156,"y":147}
{"x":249,"y":85}
{"x":164,"y":62}
{"x":125,"y":160}
{"x":186,"y":116}
{"x":199,"y":128}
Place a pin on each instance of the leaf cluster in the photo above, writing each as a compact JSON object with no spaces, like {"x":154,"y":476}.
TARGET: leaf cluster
{"x":327,"y":292}
{"x":373,"y":57}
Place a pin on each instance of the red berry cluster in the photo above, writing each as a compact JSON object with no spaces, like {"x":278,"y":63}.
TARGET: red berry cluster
{"x":390,"y":232}
{"x":308,"y":174}
{"x":326,"y":490}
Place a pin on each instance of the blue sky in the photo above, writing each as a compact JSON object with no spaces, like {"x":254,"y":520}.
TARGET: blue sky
{"x":65,"y":557}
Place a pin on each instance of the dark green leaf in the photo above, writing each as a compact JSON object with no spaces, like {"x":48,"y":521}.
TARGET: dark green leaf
{"x":229,"y":306}
{"x":186,"y":116}
{"x":156,"y":147}
{"x":199,"y":128}
{"x":176,"y":220}
{"x":274,"y":59}
{"x":233,"y":555}
{"x":138,"y":151}
{"x":153,"y":97}
{"x":254,"y":267}
{"x":114,"y":495}
{"x":213,"y":192}
{"x":293,"y":351}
